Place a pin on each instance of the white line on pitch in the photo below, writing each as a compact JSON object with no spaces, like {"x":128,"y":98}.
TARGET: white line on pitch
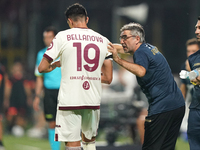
{"x":25,"y":147}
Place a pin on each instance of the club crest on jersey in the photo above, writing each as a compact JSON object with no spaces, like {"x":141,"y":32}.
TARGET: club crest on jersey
{"x":86,"y":85}
{"x":51,"y":45}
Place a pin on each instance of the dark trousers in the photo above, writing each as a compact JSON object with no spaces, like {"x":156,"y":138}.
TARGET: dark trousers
{"x":162,"y":130}
{"x":50,"y":104}
{"x":194,"y":129}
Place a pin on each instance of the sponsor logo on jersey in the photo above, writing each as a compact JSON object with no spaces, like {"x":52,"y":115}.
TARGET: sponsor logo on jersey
{"x":86,"y":85}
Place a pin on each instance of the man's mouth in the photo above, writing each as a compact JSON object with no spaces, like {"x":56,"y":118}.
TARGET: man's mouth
{"x":198,"y":36}
{"x":124,"y":47}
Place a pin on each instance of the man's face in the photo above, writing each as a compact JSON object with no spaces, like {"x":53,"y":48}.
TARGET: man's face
{"x":197,"y":32}
{"x":48,"y":37}
{"x":192,"y":49}
{"x":128,"y":41}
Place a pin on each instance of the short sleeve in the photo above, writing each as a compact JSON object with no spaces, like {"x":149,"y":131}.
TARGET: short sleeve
{"x":54,"y":50}
{"x":108,"y":54}
{"x":141,"y":59}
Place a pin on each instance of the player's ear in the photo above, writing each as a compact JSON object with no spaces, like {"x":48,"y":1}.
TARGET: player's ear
{"x":87,"y":19}
{"x":69,"y":21}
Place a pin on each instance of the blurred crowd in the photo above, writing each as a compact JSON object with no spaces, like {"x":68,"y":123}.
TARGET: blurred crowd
{"x":17,"y":105}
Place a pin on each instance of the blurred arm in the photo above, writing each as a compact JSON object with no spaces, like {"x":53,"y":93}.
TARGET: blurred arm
{"x":28,"y":92}
{"x":38,"y":90}
{"x":183,"y":89}
{"x":7,"y":91}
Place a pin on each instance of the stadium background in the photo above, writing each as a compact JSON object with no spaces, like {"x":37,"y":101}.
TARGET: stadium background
{"x":167,"y":23}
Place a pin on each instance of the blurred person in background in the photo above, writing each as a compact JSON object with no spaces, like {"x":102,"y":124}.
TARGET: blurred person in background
{"x":127,"y":79}
{"x":129,"y":82}
{"x":186,"y":87}
{"x":85,"y":64}
{"x":166,"y":102}
{"x":3,"y":79}
{"x":194,"y":113}
{"x":19,"y":95}
{"x":124,"y":91}
{"x":50,"y":82}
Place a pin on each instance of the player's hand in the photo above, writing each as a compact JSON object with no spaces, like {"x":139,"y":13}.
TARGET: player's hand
{"x":57,"y":63}
{"x":113,"y":50}
{"x":196,"y":81}
{"x":36,"y":104}
{"x":119,"y":48}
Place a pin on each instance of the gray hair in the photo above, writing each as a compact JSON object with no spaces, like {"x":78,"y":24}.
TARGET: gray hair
{"x":136,"y":29}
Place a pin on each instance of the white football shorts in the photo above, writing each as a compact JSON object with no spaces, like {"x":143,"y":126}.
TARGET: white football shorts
{"x":69,"y":124}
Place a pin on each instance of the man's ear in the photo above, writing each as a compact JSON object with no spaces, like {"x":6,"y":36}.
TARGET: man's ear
{"x":138,"y":39}
{"x":87,"y":19}
{"x":70,"y":21}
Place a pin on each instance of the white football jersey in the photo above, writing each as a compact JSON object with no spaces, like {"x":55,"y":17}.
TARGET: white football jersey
{"x":82,"y":53}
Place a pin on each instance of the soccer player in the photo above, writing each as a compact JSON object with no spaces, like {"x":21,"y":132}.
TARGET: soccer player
{"x":186,"y":87}
{"x":51,"y":83}
{"x":194,"y":118}
{"x":192,"y":46}
{"x":84,"y":65}
{"x":166,"y":102}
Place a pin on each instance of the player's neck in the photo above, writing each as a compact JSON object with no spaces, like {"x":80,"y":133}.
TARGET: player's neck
{"x":83,"y":27}
{"x":80,"y":25}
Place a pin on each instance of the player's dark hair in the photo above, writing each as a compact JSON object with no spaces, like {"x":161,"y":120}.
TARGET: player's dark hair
{"x":199,"y":18}
{"x":51,"y":28}
{"x":76,"y":11}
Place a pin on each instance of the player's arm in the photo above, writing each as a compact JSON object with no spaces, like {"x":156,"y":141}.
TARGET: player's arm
{"x":136,"y":69}
{"x":107,"y":71}
{"x":38,"y":86}
{"x":183,"y":89}
{"x":47,"y":66}
{"x":38,"y":90}
{"x":28,"y":91}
